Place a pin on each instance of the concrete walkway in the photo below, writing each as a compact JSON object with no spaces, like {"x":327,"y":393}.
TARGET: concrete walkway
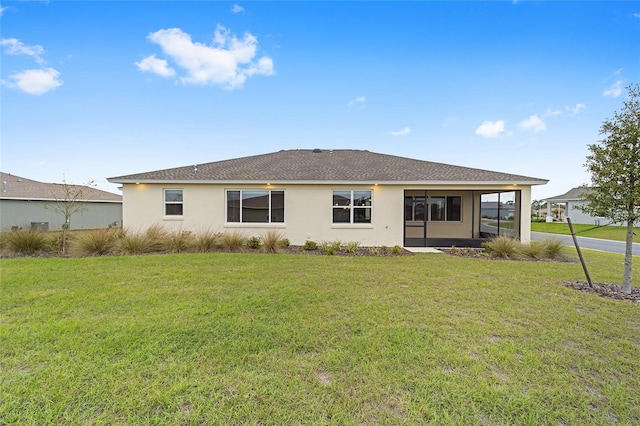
{"x":422,"y":250}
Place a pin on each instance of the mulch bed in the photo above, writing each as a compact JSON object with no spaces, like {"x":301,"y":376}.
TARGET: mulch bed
{"x":612,"y":291}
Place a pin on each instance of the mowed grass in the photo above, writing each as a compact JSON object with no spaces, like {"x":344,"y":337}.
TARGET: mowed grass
{"x":230,"y":338}
{"x":616,"y":233}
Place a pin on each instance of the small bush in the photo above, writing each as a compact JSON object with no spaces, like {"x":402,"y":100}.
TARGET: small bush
{"x":272,"y":242}
{"x":373,"y":251}
{"x":310,"y":245}
{"x":177,"y":241}
{"x":207,"y":241}
{"x":254,"y":243}
{"x":327,"y":248}
{"x":552,"y":248}
{"x":233,"y":241}
{"x":502,"y":246}
{"x":534,"y":250}
{"x":25,"y":242}
{"x":285,"y":243}
{"x":94,"y":243}
{"x":136,"y":243}
{"x":352,"y":246}
{"x":396,"y":249}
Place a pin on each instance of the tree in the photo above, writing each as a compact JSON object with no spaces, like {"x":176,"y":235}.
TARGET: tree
{"x":68,"y":201}
{"x":614,"y":165}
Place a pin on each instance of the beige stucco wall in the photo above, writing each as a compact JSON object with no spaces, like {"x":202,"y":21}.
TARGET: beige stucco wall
{"x":308,"y":213}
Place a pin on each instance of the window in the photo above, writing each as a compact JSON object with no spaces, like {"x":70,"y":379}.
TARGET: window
{"x":173,"y":202}
{"x":352,"y":206}
{"x":255,"y":206}
{"x":441,"y":208}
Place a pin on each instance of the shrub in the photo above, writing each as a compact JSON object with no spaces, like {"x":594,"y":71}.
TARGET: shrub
{"x":25,"y":242}
{"x":502,"y":246}
{"x":327,"y":248}
{"x":310,"y":245}
{"x":254,"y":243}
{"x":177,"y":241}
{"x":352,"y":246}
{"x":552,"y":248}
{"x":285,"y":242}
{"x":396,"y":249}
{"x":207,"y":241}
{"x":373,"y":251}
{"x":94,"y":243}
{"x":233,"y":241}
{"x":534,"y":249}
{"x":272,"y":241}
{"x":136,"y":243}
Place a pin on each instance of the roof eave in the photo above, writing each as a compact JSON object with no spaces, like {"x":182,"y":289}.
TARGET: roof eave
{"x":324,"y":182}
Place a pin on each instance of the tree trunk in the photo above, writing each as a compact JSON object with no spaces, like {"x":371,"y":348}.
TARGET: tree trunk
{"x":628,"y":257}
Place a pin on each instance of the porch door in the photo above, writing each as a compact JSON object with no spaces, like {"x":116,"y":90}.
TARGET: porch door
{"x":415,"y":218}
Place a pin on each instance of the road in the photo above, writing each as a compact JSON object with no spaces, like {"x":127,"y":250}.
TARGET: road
{"x":589,"y":243}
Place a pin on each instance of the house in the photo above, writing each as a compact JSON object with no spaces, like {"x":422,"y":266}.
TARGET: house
{"x":570,"y":202}
{"x":328,"y":195}
{"x":29,"y":204}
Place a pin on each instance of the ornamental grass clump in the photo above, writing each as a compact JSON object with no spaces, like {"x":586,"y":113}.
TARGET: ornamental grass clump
{"x":233,"y":241}
{"x":177,"y":241}
{"x":135,"y":243}
{"x":25,"y":242}
{"x":98,"y":242}
{"x":503,"y":246}
{"x":352,"y":247}
{"x":552,"y":248}
{"x":206,"y":242}
{"x":272,"y":242}
{"x":534,"y":250}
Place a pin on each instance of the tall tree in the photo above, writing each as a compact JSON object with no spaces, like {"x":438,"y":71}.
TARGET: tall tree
{"x":614,"y":165}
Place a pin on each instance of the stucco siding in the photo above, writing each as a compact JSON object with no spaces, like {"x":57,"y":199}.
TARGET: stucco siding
{"x":308,"y":212}
{"x":578,"y":216}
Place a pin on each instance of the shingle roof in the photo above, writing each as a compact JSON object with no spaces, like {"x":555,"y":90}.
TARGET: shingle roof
{"x":16,"y":187}
{"x":572,"y":195}
{"x":343,"y":165}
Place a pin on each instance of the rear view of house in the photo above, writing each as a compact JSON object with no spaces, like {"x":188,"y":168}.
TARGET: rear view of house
{"x":326,"y":195}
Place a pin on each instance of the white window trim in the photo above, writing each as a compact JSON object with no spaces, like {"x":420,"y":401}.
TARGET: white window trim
{"x":166,"y":216}
{"x":242,"y":224}
{"x":351,"y":223}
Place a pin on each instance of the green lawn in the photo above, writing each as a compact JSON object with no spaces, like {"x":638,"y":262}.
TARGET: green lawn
{"x":617,"y":233}
{"x":298,"y":339}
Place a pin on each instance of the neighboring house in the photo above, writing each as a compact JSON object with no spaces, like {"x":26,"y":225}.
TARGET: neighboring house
{"x":490,"y":210}
{"x":29,"y":204}
{"x":326,"y":195}
{"x":571,"y":201}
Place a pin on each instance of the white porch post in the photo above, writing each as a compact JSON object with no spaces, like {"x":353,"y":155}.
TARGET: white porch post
{"x":549,"y":212}
{"x":524,"y":202}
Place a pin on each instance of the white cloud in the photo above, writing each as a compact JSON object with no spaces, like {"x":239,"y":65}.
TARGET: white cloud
{"x":534,"y":124}
{"x":491,"y":129}
{"x":36,"y":81}
{"x":13,"y":46}
{"x":552,"y":112}
{"x":614,"y":90}
{"x":358,"y":100}
{"x":2,"y":10}
{"x":576,"y":109}
{"x":636,"y":15}
{"x":237,"y":8}
{"x":156,"y":66}
{"x":402,"y":132}
{"x":229,"y":61}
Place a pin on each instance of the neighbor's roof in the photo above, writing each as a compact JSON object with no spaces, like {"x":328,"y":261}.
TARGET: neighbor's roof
{"x":16,"y":187}
{"x":325,"y":166}
{"x":574,"y":194}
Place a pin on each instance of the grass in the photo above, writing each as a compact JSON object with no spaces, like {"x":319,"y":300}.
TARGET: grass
{"x":616,"y":233}
{"x":237,"y":338}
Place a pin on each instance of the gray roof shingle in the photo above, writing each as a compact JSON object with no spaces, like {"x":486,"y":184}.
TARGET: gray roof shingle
{"x":16,"y":187}
{"x":341,"y":165}
{"x":574,"y":194}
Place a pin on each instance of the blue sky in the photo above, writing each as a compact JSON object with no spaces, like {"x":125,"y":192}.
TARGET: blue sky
{"x":92,"y":90}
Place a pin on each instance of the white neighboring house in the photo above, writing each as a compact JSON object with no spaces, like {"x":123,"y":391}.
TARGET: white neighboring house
{"x":572,"y":200}
{"x":29,"y":204}
{"x":328,"y":195}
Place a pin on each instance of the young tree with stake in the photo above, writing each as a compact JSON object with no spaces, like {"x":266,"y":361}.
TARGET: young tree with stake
{"x":614,"y":165}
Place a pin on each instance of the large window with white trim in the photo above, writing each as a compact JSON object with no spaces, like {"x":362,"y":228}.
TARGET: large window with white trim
{"x":255,"y":206}
{"x":352,"y":206}
{"x":173,"y":202}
